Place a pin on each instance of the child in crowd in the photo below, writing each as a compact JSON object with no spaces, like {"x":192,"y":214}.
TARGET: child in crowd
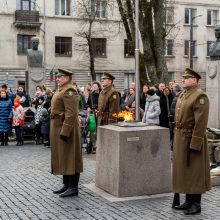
{"x":45,"y":126}
{"x":18,"y":121}
{"x":37,"y":119}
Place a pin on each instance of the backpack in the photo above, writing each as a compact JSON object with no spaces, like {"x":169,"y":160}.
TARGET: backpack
{"x":91,"y":123}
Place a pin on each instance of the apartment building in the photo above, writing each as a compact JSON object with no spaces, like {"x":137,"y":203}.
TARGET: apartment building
{"x":204,"y":15}
{"x":60,"y":26}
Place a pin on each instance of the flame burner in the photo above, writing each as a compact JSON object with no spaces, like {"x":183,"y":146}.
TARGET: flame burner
{"x":126,"y":119}
{"x":130,"y":124}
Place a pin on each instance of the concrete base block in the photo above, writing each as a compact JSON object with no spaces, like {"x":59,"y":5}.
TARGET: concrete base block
{"x":133,"y":161}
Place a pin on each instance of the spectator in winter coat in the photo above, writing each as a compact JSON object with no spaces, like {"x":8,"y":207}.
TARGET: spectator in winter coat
{"x":5,"y":117}
{"x":18,"y":120}
{"x":24,"y":98}
{"x":94,"y":96}
{"x":152,"y":109}
{"x":45,"y":126}
{"x":38,"y":115}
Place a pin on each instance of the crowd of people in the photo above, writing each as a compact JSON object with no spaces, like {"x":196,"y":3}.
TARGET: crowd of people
{"x":155,"y":107}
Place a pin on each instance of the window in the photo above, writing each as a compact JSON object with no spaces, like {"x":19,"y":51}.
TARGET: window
{"x":26,"y":5}
{"x":128,"y":48}
{"x":62,"y":7}
{"x":23,"y":43}
{"x":63,"y":46}
{"x":99,"y":47}
{"x":169,"y":48}
{"x":187,"y":48}
{"x":98,"y":8}
{"x":170,"y":76}
{"x":128,"y":79}
{"x":169,"y":15}
{"x":189,"y":14}
{"x":209,"y":44}
{"x":212,"y":17}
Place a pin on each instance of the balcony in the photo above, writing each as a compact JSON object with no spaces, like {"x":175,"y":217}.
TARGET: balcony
{"x":27,"y":19}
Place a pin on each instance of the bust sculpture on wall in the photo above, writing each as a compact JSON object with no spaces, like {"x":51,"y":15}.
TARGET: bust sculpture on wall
{"x":215,"y":47}
{"x":34,"y":56}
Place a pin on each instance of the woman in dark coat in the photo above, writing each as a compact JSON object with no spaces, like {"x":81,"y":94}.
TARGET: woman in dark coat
{"x":93,"y":105}
{"x":5,"y":117}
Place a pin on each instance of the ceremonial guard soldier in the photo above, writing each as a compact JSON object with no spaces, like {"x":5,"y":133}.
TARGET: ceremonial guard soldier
{"x":66,"y":157}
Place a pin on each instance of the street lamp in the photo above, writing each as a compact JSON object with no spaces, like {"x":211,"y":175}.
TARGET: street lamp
{"x":191,"y":40}
{"x":137,"y":74}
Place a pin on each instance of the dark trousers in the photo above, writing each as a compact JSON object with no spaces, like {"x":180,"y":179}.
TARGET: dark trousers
{"x":193,"y":198}
{"x":38,"y":131}
{"x":71,"y":180}
{"x":4,"y":137}
{"x":18,"y":132}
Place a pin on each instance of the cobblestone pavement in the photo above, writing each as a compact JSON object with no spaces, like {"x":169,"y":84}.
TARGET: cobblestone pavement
{"x":26,"y":193}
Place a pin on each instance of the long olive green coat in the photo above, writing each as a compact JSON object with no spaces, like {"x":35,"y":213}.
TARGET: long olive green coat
{"x":108,"y":103}
{"x":191,"y":173}
{"x":66,"y":158}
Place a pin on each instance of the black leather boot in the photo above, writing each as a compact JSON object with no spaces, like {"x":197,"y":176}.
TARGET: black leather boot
{"x":196,"y":205}
{"x":186,"y":205}
{"x":2,"y":143}
{"x":63,"y":189}
{"x":73,"y":181}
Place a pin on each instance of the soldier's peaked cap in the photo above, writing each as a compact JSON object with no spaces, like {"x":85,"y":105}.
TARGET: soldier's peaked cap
{"x":62,"y":72}
{"x":191,"y":73}
{"x":108,"y":76}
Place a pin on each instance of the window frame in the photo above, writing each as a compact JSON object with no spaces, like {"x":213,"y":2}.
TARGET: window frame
{"x":188,"y":47}
{"x":95,"y":44}
{"x":169,"y":13}
{"x":97,"y":8}
{"x":66,"y":46}
{"x":167,"y":47}
{"x":31,"y":5}
{"x":58,"y":8}
{"x":129,"y":52}
{"x":191,"y":12}
{"x":213,"y":17}
{"x":23,"y":52}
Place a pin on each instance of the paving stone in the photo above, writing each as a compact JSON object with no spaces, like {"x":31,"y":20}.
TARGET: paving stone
{"x":27,"y":185}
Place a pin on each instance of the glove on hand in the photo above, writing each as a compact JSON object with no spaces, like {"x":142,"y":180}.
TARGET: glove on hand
{"x":64,"y":138}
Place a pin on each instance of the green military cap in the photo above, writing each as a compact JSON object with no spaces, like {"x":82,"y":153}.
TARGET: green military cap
{"x":64,"y":72}
{"x":191,"y":73}
{"x":106,"y":75}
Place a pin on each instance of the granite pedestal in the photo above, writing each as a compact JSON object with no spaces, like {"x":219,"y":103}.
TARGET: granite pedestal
{"x":133,"y":161}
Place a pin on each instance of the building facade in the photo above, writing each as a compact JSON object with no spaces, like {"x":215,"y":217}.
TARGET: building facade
{"x":61,"y":26}
{"x":204,"y":15}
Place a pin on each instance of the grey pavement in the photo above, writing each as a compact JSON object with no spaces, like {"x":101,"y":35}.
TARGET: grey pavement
{"x":26,"y":186}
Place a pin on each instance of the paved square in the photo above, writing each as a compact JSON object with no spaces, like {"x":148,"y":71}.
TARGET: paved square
{"x":26,"y":186}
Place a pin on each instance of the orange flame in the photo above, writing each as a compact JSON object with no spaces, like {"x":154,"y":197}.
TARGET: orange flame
{"x":125,"y":115}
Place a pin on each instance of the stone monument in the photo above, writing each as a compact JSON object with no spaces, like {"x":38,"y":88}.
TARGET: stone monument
{"x":35,"y":74}
{"x":213,"y":81}
{"x":133,"y":161}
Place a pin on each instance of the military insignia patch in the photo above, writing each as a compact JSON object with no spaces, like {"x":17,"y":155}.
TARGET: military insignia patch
{"x":70,"y":93}
{"x":114,"y":97}
{"x":202,"y":101}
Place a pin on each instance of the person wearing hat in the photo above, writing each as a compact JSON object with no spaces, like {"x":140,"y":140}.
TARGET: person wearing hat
{"x":191,"y":174}
{"x":66,"y":158}
{"x":108,"y":102}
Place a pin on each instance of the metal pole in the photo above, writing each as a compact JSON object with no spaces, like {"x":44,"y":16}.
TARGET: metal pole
{"x":191,"y":39}
{"x":137,"y":74}
{"x":45,"y":34}
{"x":191,"y":44}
